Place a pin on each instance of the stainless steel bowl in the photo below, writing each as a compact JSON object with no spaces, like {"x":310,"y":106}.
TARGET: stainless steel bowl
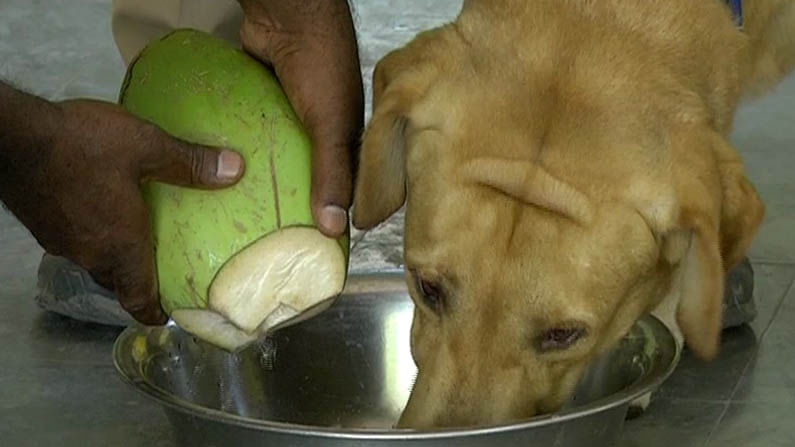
{"x":343,"y":377}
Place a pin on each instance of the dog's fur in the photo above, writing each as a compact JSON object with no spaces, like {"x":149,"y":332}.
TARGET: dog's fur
{"x":565,"y":165}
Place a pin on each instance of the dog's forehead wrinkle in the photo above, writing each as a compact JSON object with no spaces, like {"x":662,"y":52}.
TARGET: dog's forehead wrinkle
{"x":529,"y":183}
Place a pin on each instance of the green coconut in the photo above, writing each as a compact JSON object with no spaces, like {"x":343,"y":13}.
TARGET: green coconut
{"x":236,"y":262}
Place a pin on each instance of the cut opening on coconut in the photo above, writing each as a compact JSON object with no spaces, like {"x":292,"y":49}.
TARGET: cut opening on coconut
{"x":213,"y":328}
{"x":284,"y":277}
{"x":297,"y":267}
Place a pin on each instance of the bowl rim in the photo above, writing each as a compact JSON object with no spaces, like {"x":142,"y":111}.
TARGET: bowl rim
{"x":363,"y":282}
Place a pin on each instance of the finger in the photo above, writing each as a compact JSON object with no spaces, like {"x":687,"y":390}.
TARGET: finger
{"x":331,"y":187}
{"x":177,"y":162}
{"x":135,"y":281}
{"x":327,"y":96}
{"x":320,"y":73}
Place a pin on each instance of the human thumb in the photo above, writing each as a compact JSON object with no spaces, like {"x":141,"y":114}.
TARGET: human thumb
{"x":181,"y":163}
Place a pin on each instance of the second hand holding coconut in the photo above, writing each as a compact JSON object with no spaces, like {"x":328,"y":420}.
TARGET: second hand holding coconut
{"x":311,"y":46}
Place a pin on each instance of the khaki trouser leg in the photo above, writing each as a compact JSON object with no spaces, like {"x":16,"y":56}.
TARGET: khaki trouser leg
{"x":135,"y":23}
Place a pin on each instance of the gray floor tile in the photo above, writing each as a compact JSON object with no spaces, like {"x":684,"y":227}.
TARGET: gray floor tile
{"x":381,"y":248}
{"x":672,"y":422}
{"x":717,"y":379}
{"x":771,"y":283}
{"x":755,"y":425}
{"x":770,"y":378}
{"x":20,"y":251}
{"x":771,"y":375}
{"x":94,"y":79}
{"x":765,"y":137}
{"x":70,"y":44}
{"x":129,"y":435}
{"x":76,"y":405}
{"x":52,"y":339}
{"x":30,"y":336}
{"x":380,"y":29}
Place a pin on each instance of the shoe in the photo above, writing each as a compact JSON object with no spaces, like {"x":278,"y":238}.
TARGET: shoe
{"x":739,"y":306}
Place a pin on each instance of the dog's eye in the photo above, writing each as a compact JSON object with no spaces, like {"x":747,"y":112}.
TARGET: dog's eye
{"x":431,"y":293}
{"x":559,"y":338}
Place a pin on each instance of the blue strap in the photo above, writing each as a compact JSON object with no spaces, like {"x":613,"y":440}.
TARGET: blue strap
{"x":736,"y":7}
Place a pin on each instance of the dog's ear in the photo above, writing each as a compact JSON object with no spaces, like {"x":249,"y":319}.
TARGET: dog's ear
{"x":701,"y":276}
{"x":742,"y":210}
{"x":719,"y":215}
{"x":381,"y":175}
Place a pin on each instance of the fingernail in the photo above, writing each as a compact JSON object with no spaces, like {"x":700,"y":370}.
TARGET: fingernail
{"x":333,"y":219}
{"x":229,"y":164}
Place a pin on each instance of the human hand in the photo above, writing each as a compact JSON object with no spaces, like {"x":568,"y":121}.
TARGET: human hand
{"x":77,"y":191}
{"x":311,"y":45}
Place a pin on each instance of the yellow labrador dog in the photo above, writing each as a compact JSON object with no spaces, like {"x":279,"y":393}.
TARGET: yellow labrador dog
{"x":566,"y":170}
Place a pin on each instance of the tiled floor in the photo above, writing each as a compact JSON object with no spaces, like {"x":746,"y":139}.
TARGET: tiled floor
{"x":57,"y":385}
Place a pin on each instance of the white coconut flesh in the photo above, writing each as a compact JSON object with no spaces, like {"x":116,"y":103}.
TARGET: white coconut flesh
{"x":213,"y":328}
{"x":275,"y":279}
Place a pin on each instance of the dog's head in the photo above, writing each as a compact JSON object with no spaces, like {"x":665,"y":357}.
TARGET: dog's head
{"x":540,"y":224}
